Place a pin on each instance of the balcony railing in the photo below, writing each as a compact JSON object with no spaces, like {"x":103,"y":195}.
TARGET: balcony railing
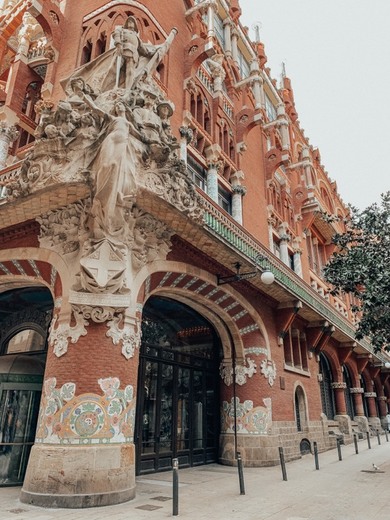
{"x":238,"y":239}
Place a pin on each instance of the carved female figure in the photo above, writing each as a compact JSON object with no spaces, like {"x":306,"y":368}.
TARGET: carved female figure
{"x":114,"y":168}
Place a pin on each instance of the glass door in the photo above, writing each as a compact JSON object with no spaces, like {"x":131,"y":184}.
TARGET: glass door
{"x":19,"y":407}
{"x":178,"y":398}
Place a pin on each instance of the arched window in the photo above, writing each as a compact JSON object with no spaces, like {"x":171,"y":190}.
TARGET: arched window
{"x":300,"y":409}
{"x":86,"y":54}
{"x":101,"y":44}
{"x":348,"y":396}
{"x":326,"y":380}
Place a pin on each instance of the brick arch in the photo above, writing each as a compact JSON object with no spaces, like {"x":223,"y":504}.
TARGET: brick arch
{"x":32,"y":266}
{"x":235,"y":320}
{"x":334,"y":363}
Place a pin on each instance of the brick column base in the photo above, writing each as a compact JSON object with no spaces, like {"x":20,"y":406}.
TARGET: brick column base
{"x":79,"y":476}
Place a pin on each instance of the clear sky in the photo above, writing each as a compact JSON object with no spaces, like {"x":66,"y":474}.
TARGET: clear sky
{"x":337,"y":55}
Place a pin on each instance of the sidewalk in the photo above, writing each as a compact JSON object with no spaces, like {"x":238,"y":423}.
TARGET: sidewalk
{"x":340,"y":490}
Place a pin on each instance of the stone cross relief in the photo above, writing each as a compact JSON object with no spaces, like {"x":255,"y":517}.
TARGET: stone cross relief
{"x":113,"y":133}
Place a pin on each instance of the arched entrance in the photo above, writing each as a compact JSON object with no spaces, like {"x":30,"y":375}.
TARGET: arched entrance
{"x":25,"y":314}
{"x":178,"y":389}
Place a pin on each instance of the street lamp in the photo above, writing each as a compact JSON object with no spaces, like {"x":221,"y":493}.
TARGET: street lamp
{"x":267,"y":276}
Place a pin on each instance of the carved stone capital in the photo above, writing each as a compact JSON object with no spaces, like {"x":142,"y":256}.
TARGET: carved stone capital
{"x":338,"y":385}
{"x":129,"y":335}
{"x":356,"y":390}
{"x":242,"y":372}
{"x":186,"y":133}
{"x":8,"y":133}
{"x":369,"y":394}
{"x":239,"y":190}
{"x":59,"y":336}
{"x":268,"y":369}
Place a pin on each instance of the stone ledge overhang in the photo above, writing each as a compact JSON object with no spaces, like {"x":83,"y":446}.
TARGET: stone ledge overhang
{"x":218,"y":236}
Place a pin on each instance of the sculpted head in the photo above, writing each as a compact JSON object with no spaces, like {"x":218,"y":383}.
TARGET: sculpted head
{"x":131,"y":23}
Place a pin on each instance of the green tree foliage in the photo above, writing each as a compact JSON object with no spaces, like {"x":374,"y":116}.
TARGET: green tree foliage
{"x":361,"y":267}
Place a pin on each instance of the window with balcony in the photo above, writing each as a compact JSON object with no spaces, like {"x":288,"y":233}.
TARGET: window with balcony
{"x":225,"y":200}
{"x":197,"y":173}
{"x":243,"y":65}
{"x":219,"y":32}
{"x":270,"y":109}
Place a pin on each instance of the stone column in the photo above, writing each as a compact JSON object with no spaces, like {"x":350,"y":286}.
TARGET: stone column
{"x":271,"y":224}
{"x":213,"y":165}
{"x":210,"y":20}
{"x":257,"y":83}
{"x":84,"y":452}
{"x":235,"y":45}
{"x":227,"y":29}
{"x":284,"y":239}
{"x":186,"y":136}
{"x":212,"y":179}
{"x":307,"y":167}
{"x":339,"y":396}
{"x":8,"y":134}
{"x":238,"y":193}
{"x":298,"y":261}
{"x":283,"y":125}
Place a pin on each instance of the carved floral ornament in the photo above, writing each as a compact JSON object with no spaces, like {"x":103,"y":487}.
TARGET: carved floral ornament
{"x":243,"y":372}
{"x":127,"y":335}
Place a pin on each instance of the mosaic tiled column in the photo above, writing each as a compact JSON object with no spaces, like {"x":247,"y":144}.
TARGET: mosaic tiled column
{"x":84,"y":453}
{"x":212,"y":179}
{"x":186,"y":135}
{"x":238,"y":193}
{"x":227,"y":29}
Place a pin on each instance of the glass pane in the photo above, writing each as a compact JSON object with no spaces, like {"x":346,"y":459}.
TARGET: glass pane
{"x":150,"y":408}
{"x":18,"y":420}
{"x":198,"y":409}
{"x":211,"y":417}
{"x":183,"y":393}
{"x":166,"y":409}
{"x":26,"y":341}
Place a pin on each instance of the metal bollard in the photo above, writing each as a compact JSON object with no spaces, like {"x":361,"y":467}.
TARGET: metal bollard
{"x":368,"y":440}
{"x":387,"y":436}
{"x":339,"y":449}
{"x":282,"y":463}
{"x":316,"y":455}
{"x":175,"y":493}
{"x":240,"y":474}
{"x":356,"y":443}
{"x":378,"y":437}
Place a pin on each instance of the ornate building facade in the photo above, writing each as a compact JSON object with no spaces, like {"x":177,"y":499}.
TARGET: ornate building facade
{"x":161,"y":248}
